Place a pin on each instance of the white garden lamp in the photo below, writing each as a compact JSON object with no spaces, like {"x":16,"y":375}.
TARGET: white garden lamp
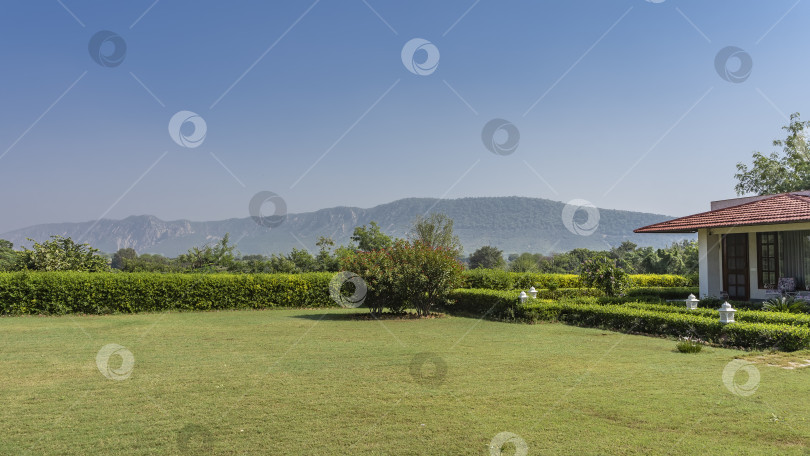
{"x":532,"y":292}
{"x":522,"y":298}
{"x":726,"y":313}
{"x":692,"y":302}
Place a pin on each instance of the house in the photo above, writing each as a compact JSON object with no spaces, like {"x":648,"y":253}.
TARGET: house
{"x":746,"y":245}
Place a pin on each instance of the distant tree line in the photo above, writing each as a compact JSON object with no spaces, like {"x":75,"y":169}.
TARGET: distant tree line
{"x":434,"y":230}
{"x":679,"y":258}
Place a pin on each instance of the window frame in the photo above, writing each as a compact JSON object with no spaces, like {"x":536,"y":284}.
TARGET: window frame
{"x":761,"y":283}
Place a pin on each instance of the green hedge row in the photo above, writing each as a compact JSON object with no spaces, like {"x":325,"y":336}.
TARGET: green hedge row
{"x":641,"y":318}
{"x":496,"y":279}
{"x":747,"y":316}
{"x":494,"y":304}
{"x":662,"y":293}
{"x":58,"y":293}
{"x":623,"y":318}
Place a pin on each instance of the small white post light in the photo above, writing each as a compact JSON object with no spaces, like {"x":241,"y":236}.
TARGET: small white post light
{"x":726,"y":313}
{"x":532,"y":292}
{"x":522,"y":298}
{"x":692,"y":302}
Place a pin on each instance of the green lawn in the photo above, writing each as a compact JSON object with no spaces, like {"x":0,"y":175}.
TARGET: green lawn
{"x":311,"y":382}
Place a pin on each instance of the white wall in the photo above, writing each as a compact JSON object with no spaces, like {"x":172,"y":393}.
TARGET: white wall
{"x":711,"y":263}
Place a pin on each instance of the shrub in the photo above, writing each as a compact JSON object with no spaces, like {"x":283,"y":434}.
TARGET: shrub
{"x":406,"y":274}
{"x":376,"y":268}
{"x":59,"y":293}
{"x":604,"y":275}
{"x":687,"y":345}
{"x":786,"y":304}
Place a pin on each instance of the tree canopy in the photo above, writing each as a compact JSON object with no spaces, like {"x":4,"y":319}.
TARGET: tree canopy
{"x":436,"y":230}
{"x":775,"y":173}
{"x":487,"y":257}
{"x":371,"y":238}
{"x":61,"y":254}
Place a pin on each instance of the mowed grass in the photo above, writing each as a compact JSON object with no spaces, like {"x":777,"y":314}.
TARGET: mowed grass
{"x":312,"y":382}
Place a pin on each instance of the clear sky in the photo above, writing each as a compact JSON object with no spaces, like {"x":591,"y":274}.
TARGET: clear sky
{"x":618,"y":102}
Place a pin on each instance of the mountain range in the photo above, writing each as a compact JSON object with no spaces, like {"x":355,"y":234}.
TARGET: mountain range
{"x":513,"y":224}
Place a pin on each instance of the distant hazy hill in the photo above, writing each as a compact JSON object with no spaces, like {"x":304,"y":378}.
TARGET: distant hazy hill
{"x":513,"y":224}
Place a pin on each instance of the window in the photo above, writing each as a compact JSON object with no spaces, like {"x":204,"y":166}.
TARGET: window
{"x":767,"y":259}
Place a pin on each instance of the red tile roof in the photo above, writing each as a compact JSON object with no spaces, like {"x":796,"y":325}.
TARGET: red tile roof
{"x":782,"y":208}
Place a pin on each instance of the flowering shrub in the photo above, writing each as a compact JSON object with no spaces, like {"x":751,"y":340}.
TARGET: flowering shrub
{"x":415,"y":275}
{"x":604,"y":275}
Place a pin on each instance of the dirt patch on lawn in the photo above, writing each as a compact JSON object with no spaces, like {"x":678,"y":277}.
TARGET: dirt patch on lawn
{"x":792,"y":360}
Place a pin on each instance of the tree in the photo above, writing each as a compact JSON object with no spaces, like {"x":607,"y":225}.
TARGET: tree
{"x":370,"y":238}
{"x":487,"y":257}
{"x":152,"y":263}
{"x":8,"y":257}
{"x":325,"y":260}
{"x":604,"y":275}
{"x":61,"y":254}
{"x":121,"y":256}
{"x":220,"y":256}
{"x":779,"y":174}
{"x":436,"y":230}
{"x":525,"y":262}
{"x":303,"y":260}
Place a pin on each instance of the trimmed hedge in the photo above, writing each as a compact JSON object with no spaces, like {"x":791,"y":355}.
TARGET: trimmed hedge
{"x":663,"y":293}
{"x":59,"y":293}
{"x":629,"y":319}
{"x":497,"y":279}
{"x":747,"y":316}
{"x":480,"y":301}
{"x":660,"y":280}
{"x":759,"y":331}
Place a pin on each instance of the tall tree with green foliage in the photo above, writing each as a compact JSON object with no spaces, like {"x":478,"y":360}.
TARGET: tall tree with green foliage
{"x":8,"y":257}
{"x":487,"y":257}
{"x":371,"y":238}
{"x":777,"y":173}
{"x":121,"y":256}
{"x":61,"y":254}
{"x":217,"y":257}
{"x":525,"y":262}
{"x":436,"y":230}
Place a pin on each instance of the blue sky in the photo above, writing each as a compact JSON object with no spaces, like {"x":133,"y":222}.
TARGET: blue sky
{"x":618,"y":103}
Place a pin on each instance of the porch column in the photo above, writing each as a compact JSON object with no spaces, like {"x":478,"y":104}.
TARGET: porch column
{"x":710,"y":263}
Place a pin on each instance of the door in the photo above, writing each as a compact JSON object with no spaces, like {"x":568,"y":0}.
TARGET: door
{"x":735,"y":266}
